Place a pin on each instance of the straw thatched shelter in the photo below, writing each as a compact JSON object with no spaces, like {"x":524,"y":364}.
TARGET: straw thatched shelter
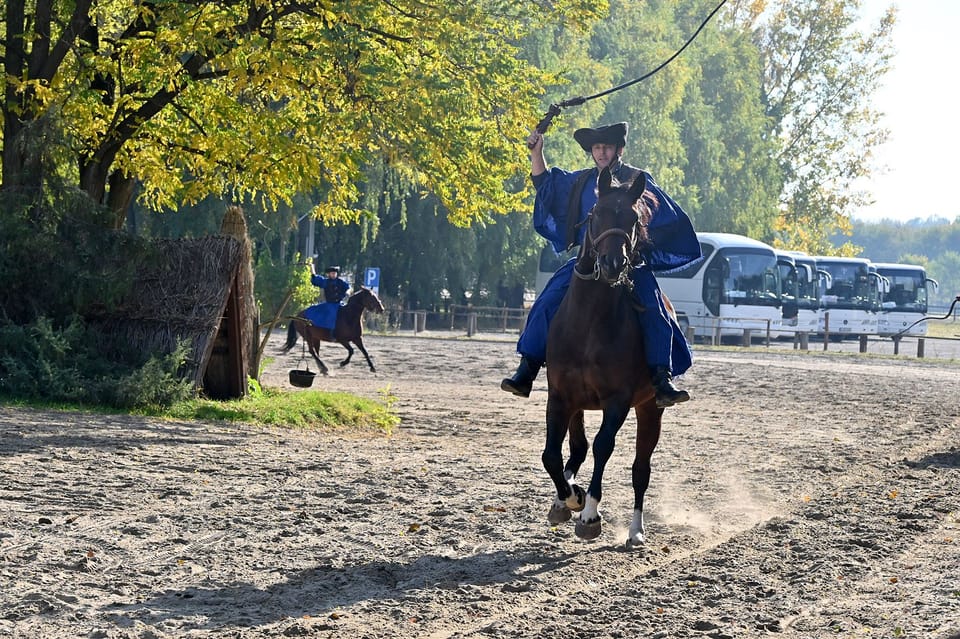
{"x":200,"y":291}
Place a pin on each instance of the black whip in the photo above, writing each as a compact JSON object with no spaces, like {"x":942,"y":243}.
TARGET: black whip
{"x":554,"y":109}
{"x":923,"y":319}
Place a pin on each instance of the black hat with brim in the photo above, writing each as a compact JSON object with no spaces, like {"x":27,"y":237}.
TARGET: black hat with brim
{"x":332,"y":268}
{"x":615,"y":134}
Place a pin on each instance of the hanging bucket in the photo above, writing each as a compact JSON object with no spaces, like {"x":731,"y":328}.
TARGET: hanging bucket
{"x":298,"y":376}
{"x":302,"y":378}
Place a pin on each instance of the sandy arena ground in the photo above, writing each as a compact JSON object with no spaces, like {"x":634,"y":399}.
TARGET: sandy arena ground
{"x":797,"y":495}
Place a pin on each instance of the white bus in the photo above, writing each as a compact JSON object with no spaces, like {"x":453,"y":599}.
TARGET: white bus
{"x":549,"y":262}
{"x":905,"y":299}
{"x":809,"y":284}
{"x":850,"y":304}
{"x":735,"y":287}
{"x":789,"y":291}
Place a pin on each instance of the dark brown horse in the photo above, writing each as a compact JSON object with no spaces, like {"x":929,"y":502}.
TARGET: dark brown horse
{"x":349,"y":328}
{"x":595,"y":361}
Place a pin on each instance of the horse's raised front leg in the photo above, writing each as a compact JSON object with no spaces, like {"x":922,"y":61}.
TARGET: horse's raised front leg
{"x":589,"y":524}
{"x":648,"y":434}
{"x":359,"y":343}
{"x":570,"y":497}
{"x":349,"y":348}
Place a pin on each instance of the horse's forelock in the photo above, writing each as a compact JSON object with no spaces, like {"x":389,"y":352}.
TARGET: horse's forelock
{"x":641,"y":206}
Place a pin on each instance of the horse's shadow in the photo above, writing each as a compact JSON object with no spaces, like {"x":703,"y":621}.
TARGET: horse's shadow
{"x":946,"y":459}
{"x":318,"y":592}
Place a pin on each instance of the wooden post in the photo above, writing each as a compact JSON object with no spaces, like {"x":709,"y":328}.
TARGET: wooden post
{"x":801,"y":339}
{"x":746,"y":337}
{"x":419,"y":321}
{"x":863,"y":343}
{"x":471,"y":324}
{"x":896,"y":345}
{"x":920,"y":342}
{"x":826,"y":329}
{"x":691,"y":334}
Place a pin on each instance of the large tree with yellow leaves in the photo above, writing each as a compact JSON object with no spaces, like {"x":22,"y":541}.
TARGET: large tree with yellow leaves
{"x":265,"y":99}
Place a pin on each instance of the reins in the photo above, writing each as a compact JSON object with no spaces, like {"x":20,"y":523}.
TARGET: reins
{"x":554,"y":109}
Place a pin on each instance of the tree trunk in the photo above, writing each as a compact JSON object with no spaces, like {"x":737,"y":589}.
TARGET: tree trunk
{"x":120,"y":196}
{"x":93,"y":178}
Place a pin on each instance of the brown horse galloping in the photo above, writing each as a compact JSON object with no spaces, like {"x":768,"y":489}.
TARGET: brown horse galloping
{"x":349,"y":328}
{"x":595,"y":361}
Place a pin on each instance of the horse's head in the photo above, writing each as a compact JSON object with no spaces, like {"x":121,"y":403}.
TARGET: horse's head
{"x":370,"y":300}
{"x":616,"y":230}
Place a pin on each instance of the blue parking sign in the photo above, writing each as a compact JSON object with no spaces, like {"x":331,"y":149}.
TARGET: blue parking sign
{"x":371,"y":279}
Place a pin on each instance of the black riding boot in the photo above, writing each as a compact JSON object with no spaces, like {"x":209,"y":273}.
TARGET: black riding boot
{"x":522,"y":381}
{"x":667,"y":393}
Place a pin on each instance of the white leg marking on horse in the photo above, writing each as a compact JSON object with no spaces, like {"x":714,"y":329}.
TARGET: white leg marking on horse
{"x":636,"y":529}
{"x":591,"y":511}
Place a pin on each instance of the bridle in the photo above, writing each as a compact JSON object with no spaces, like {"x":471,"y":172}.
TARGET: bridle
{"x":631,"y":239}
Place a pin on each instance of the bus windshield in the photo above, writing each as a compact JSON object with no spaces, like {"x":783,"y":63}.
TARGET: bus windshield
{"x":749,"y":277}
{"x":908,"y":290}
{"x":852,"y":286}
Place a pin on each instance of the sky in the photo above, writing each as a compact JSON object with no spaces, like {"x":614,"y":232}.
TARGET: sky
{"x":919,"y":98}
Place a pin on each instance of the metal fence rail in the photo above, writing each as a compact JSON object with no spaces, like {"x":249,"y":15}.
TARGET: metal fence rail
{"x":473,"y":320}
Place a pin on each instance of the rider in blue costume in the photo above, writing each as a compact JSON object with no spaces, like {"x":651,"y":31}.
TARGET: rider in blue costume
{"x":563,"y":200}
{"x":334,"y":290}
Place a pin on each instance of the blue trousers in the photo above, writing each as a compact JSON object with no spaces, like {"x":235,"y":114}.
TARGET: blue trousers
{"x":663,"y":341}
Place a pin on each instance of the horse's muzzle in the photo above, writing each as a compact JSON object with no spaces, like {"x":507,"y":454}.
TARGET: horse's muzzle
{"x":612,"y":268}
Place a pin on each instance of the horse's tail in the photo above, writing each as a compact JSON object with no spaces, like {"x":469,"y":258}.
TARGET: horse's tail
{"x":291,"y":335}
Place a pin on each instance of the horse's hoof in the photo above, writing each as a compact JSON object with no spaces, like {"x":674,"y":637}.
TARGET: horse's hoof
{"x":578,"y":500}
{"x":588,"y":530}
{"x":635,"y":542}
{"x":559,"y":514}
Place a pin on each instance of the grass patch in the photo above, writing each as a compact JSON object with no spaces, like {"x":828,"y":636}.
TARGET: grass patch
{"x":264,"y":407}
{"x":943,"y":328}
{"x":303,"y":409}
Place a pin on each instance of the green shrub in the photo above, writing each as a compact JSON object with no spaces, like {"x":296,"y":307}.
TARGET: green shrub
{"x":42,"y":362}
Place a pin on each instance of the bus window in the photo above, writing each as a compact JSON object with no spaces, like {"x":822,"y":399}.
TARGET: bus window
{"x":549,"y":260}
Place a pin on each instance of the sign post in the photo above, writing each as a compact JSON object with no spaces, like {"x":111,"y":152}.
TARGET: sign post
{"x":371,"y":279}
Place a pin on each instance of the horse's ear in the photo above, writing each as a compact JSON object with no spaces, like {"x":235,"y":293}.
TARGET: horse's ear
{"x":638,"y":187}
{"x":603,"y":182}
